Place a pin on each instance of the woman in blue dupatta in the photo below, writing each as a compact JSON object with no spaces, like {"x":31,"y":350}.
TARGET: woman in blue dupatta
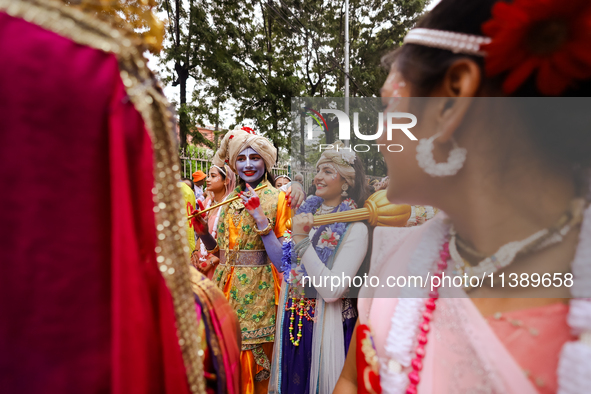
{"x":315,"y":328}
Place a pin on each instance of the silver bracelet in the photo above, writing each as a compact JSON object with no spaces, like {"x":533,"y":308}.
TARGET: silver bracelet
{"x":302,"y":246}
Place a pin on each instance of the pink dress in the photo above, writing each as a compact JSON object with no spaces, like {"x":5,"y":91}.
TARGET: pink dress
{"x":534,"y":337}
{"x":466,"y":352}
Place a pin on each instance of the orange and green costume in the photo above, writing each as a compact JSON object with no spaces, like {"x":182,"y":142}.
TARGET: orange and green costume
{"x":250,"y":282}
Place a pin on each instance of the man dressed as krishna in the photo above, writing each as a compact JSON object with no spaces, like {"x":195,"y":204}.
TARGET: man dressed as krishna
{"x":249,"y":243}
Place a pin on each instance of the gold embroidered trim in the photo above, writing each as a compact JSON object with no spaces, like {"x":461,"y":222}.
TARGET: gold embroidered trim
{"x":262,"y":361}
{"x":143,"y":90}
{"x":246,"y":258}
{"x":261,"y":332}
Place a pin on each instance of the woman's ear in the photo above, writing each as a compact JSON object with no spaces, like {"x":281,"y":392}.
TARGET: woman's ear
{"x":459,"y":85}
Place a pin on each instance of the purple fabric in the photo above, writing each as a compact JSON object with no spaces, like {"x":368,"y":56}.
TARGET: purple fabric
{"x":297,"y":360}
{"x":311,"y":205}
{"x":349,"y":326}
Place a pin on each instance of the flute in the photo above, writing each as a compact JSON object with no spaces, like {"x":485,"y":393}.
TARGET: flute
{"x":223,"y":203}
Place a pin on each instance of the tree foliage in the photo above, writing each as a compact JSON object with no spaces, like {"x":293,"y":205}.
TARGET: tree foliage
{"x":188,"y":37}
{"x":258,"y":54}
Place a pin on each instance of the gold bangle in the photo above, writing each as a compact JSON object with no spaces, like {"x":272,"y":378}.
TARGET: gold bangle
{"x":265,"y":231}
{"x":214,"y":250}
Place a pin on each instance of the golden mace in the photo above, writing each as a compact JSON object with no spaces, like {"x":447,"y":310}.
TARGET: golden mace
{"x":223,"y":203}
{"x":377,"y":210}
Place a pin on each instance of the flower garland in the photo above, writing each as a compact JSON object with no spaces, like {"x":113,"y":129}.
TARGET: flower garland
{"x":328,"y":233}
{"x":407,"y":315}
{"x":289,"y":260}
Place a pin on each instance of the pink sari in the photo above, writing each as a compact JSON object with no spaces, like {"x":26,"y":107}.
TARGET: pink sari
{"x":463,"y":353}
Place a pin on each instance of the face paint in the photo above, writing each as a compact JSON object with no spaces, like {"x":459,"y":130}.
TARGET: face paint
{"x":334,"y":171}
{"x":327,"y":180}
{"x":250,"y":165}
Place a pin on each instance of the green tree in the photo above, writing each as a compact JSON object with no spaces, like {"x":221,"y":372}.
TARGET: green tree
{"x":259,"y":54}
{"x":188,"y":32}
{"x":253,"y":62}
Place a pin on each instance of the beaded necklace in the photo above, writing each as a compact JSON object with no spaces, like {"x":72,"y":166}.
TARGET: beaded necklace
{"x":300,"y":324}
{"x":301,"y":309}
{"x":424,"y":326}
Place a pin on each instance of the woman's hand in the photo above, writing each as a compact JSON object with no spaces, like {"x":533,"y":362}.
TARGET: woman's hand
{"x":301,"y":226}
{"x":295,"y":195}
{"x":211,"y":262}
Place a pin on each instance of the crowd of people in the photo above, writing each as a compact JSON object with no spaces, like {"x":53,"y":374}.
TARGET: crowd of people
{"x":121,"y":277}
{"x":245,"y":246}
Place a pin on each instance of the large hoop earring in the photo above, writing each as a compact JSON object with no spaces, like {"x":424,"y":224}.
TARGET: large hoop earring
{"x":455,"y":161}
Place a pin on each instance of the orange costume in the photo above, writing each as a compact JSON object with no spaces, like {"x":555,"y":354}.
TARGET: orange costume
{"x":251,"y":282}
{"x":246,"y":273}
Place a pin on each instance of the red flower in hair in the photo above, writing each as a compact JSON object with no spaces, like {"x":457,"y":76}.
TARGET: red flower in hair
{"x":552,"y":37}
{"x":248,"y":130}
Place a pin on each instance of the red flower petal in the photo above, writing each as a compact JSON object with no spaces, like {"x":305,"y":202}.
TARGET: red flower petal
{"x":567,"y":63}
{"x":518,"y":75}
{"x":550,"y":81}
{"x":510,"y":26}
{"x":580,"y":51}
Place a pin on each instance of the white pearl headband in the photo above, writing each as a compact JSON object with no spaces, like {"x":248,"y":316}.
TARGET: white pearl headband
{"x":219,"y":168}
{"x":451,"y":41}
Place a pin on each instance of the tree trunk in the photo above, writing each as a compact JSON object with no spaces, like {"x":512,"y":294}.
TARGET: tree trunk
{"x":303,"y":139}
{"x":183,"y":75}
{"x":217,"y":126}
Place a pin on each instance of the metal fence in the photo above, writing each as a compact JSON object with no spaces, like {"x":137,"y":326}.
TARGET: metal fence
{"x":200,"y":160}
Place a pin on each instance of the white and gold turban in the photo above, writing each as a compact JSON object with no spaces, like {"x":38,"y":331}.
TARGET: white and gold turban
{"x":342,"y":160}
{"x":237,"y":140}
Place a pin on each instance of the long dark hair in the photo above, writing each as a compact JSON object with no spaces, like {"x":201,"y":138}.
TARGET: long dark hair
{"x":189,"y":180}
{"x":360,"y":192}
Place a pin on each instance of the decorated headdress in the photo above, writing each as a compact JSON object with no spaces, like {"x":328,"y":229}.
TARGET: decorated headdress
{"x":237,"y":140}
{"x":524,"y":37}
{"x":342,"y":159}
{"x":137,"y":18}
